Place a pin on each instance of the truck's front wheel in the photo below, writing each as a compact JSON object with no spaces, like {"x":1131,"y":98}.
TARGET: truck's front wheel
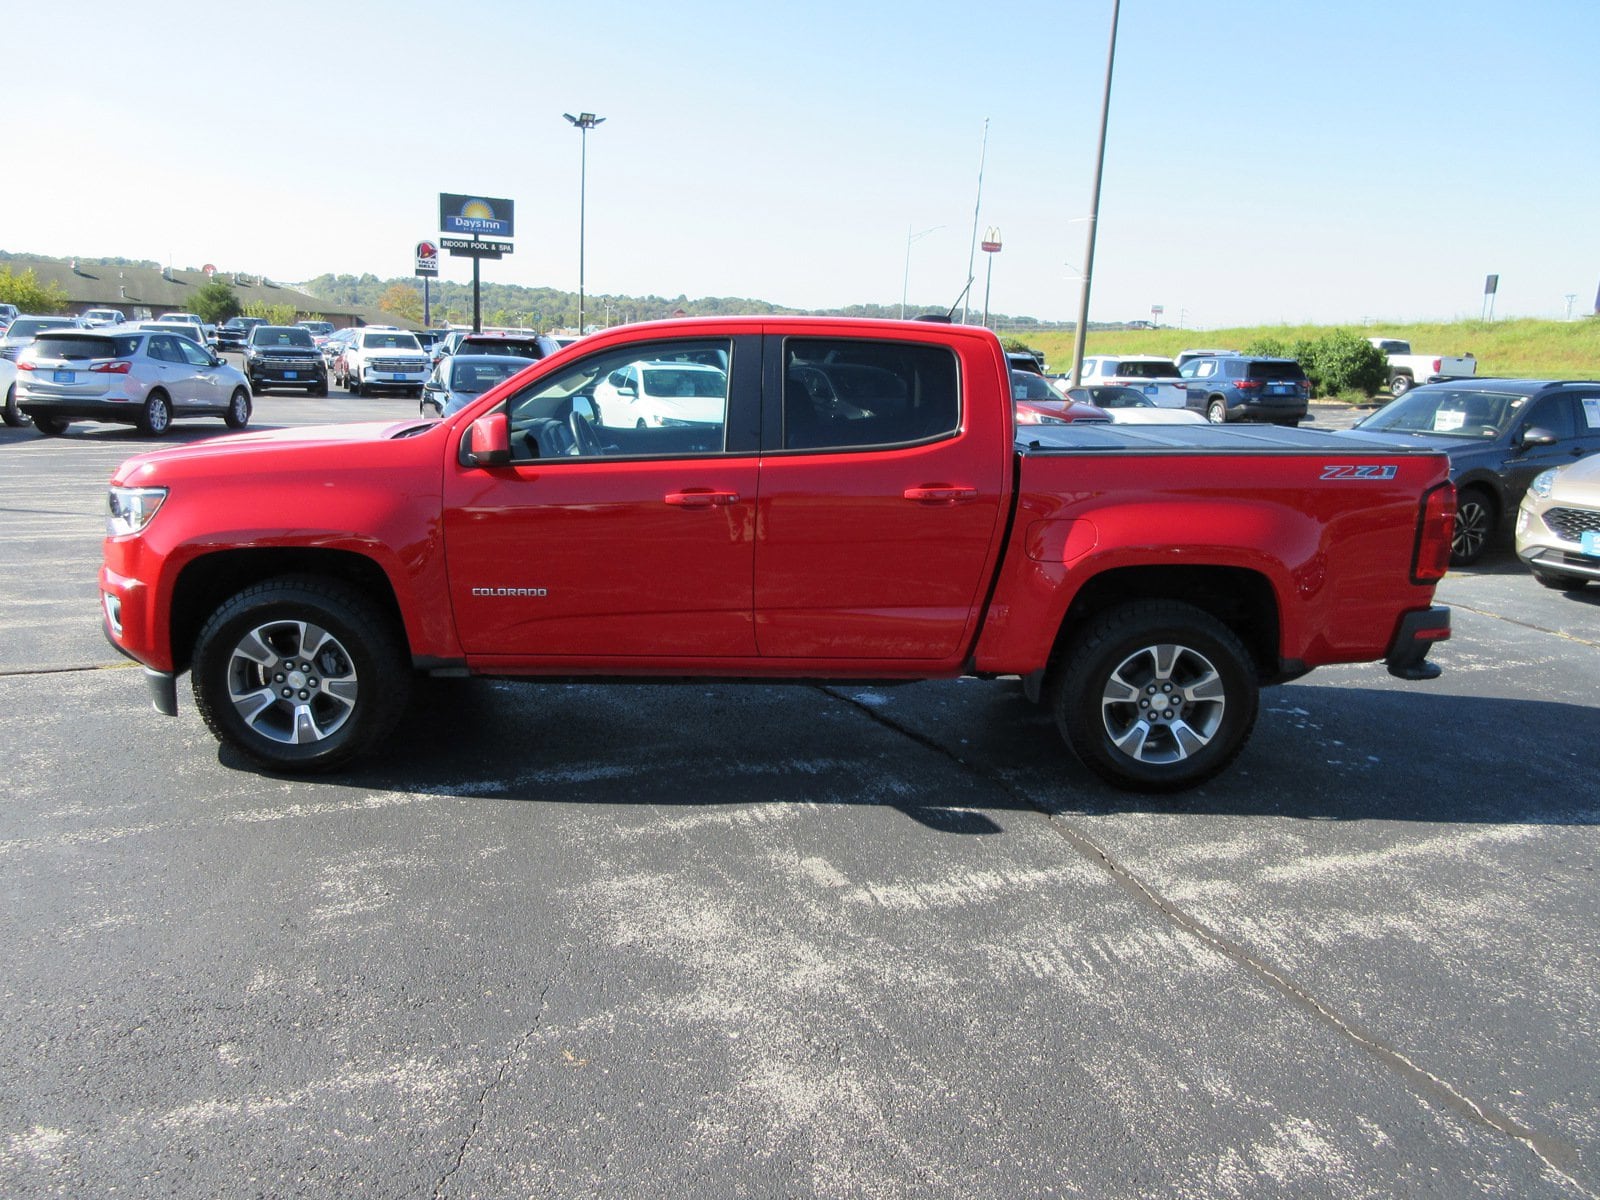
{"x":299,"y":674}
{"x":1156,"y":696}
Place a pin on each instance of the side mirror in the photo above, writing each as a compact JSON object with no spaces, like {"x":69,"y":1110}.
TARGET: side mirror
{"x":430,"y":407}
{"x":487,"y":442}
{"x":1536,"y":436}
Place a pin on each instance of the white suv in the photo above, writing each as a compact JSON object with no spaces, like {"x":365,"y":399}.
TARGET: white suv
{"x":1156,"y":377}
{"x":384,"y":358}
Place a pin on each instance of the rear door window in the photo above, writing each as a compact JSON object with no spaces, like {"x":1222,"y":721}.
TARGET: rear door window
{"x":843,"y":394}
{"x":1276,"y":371}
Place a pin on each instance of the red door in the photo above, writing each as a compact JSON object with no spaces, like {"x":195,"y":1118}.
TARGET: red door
{"x":880,"y":511}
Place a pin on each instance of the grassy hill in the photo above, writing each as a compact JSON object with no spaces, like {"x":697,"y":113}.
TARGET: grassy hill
{"x":1518,"y":349}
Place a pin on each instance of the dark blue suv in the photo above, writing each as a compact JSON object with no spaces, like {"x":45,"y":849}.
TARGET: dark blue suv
{"x":1235,"y":387}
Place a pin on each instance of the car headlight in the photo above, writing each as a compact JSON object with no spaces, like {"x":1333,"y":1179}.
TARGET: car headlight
{"x":132,"y":508}
{"x":1543,"y":484}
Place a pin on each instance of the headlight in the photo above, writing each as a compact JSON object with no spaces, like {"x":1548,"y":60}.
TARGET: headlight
{"x":132,"y":508}
{"x":1543,"y":483}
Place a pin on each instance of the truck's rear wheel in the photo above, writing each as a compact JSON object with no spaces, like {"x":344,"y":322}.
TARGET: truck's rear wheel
{"x":1156,"y":696}
{"x":299,"y":674}
{"x":1399,"y":385}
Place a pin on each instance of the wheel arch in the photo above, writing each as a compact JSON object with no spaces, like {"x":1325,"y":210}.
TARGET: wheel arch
{"x":1242,"y":599}
{"x":206,"y":582}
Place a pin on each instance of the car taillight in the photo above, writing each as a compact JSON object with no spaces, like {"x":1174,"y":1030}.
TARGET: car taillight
{"x":26,"y":366}
{"x":120,"y":367}
{"x":1434,"y":535}
{"x":1248,"y":385}
{"x":1437,"y":364}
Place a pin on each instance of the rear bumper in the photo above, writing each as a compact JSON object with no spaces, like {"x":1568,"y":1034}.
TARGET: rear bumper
{"x":1418,"y":631}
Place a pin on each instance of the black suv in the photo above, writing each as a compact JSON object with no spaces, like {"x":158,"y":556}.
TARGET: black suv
{"x":1234,"y":387}
{"x":233,"y":333}
{"x":284,"y":356}
{"x":1499,"y":434}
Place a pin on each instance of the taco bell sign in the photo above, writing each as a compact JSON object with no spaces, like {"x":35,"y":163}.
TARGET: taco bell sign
{"x":427,"y":258}
{"x":476,"y":216}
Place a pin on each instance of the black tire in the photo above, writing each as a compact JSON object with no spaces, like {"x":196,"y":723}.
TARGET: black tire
{"x":9,"y":412}
{"x":352,"y":384}
{"x":300,"y":674}
{"x":1399,"y":386}
{"x":239,"y":410}
{"x":319,"y":389}
{"x":1476,"y":516}
{"x":258,"y":387}
{"x":49,"y":426}
{"x":1559,"y":581}
{"x":156,"y":417}
{"x":1217,"y":411}
{"x":1156,"y":696}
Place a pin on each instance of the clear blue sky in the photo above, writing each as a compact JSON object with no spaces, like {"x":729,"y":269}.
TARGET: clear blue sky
{"x":1268,"y":161}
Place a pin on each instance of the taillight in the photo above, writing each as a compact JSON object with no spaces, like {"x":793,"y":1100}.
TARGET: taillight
{"x":1437,"y":364}
{"x":1247,"y":385}
{"x":1434,"y":535}
{"x":26,"y":366}
{"x":120,"y":367}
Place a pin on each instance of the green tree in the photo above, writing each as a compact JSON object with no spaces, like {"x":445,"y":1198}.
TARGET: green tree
{"x":1342,"y":361}
{"x":29,"y":295}
{"x":216,"y":302}
{"x":272,"y":314}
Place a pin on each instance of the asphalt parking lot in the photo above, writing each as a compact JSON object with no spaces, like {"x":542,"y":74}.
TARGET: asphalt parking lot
{"x":807,"y":941}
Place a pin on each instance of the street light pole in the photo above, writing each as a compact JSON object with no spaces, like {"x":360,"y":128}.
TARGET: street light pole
{"x":905,"y":283}
{"x":1082,"y":330}
{"x":583,"y":122}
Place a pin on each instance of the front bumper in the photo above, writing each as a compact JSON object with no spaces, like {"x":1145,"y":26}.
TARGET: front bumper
{"x":1418,"y":631}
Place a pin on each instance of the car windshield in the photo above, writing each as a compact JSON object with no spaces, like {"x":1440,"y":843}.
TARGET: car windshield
{"x":1284,"y":368}
{"x":1159,"y":368}
{"x":476,"y":377}
{"x":266,"y":335}
{"x":679,"y":381}
{"x":76,"y":348}
{"x":1111,"y":397}
{"x":1449,"y":412}
{"x":29,"y":326}
{"x":391,"y":341}
{"x":1027,"y":386}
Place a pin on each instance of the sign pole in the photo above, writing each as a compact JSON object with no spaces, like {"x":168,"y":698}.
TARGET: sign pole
{"x":477,"y":317}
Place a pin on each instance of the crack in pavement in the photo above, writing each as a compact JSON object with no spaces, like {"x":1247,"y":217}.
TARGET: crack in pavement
{"x":1557,"y":1156}
{"x":1493,"y":616}
{"x":483,"y":1096}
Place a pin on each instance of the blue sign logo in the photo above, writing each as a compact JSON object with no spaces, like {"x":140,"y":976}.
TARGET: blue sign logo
{"x":476,"y":216}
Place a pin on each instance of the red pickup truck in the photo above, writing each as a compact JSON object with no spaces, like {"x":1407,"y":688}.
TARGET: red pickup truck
{"x":776,"y":499}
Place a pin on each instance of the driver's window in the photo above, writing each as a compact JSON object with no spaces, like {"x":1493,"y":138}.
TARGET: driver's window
{"x":197,"y":357}
{"x":643,"y":400}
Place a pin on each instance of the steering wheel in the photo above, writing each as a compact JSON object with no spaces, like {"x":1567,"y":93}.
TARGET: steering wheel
{"x":588,"y":441}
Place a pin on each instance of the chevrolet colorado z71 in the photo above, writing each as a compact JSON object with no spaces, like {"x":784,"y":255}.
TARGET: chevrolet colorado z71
{"x":843,"y":500}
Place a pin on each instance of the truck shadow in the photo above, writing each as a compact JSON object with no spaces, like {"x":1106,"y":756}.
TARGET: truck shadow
{"x":957,"y":756}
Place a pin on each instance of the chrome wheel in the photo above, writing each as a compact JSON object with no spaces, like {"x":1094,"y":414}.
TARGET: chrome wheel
{"x":292,"y":682}
{"x":1217,"y":412}
{"x":1474,"y":522}
{"x":1163,"y":704}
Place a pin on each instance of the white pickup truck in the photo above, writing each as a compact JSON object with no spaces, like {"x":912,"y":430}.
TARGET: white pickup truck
{"x":1406,"y":369}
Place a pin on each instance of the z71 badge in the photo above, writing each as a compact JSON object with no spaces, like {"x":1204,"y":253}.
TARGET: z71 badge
{"x":1350,"y":471}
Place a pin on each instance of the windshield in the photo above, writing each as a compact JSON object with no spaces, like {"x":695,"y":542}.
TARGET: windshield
{"x":680,"y":381}
{"x":1448,"y":412}
{"x":29,"y":326}
{"x":267,"y":335}
{"x":390,"y":341}
{"x":76,"y":347}
{"x":1027,"y":386}
{"x":476,"y":376}
{"x":1150,"y":369}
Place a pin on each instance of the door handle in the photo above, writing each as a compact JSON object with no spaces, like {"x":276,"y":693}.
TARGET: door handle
{"x":702,"y":499}
{"x":940,"y":493}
